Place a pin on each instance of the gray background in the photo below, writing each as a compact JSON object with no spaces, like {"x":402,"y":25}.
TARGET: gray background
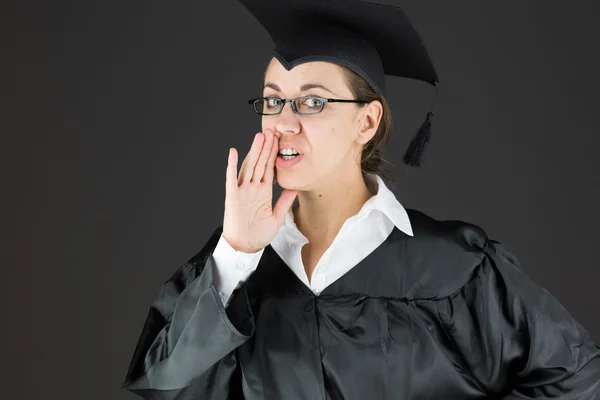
{"x":117,"y":119}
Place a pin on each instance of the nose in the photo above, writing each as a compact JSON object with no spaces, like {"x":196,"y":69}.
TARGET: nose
{"x":287,"y":121}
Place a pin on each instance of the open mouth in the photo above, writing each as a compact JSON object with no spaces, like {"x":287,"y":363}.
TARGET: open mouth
{"x":288,"y":156}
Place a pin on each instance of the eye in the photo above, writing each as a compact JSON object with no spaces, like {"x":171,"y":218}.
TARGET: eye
{"x":273,"y":102}
{"x":312,"y":102}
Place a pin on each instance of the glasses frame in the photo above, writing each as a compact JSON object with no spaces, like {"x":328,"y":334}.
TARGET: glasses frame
{"x":324,"y":100}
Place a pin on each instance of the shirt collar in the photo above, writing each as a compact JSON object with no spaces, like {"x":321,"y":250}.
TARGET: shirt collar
{"x":384,"y":200}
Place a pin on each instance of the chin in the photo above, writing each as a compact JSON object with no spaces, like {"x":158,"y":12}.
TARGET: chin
{"x":289,"y":180}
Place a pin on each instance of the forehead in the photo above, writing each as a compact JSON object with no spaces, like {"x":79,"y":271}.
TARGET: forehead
{"x":320,"y":72}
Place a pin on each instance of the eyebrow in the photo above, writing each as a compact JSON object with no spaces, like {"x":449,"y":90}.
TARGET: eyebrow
{"x":303,"y":88}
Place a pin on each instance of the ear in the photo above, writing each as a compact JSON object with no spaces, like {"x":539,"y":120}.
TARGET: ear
{"x":368,"y":121}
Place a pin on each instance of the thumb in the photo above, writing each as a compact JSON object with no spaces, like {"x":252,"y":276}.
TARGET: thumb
{"x":283,"y":204}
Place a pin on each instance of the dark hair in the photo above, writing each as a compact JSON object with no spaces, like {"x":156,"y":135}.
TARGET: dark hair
{"x":371,"y":157}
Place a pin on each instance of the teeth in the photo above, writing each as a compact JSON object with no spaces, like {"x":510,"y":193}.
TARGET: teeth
{"x":288,"y":152}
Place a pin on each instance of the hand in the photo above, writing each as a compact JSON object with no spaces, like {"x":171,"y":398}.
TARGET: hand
{"x":250,"y":222}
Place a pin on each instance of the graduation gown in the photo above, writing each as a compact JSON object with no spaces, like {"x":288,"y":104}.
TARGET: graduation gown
{"x":445,"y":314}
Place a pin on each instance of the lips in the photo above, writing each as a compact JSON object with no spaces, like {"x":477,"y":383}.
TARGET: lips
{"x":282,"y":163}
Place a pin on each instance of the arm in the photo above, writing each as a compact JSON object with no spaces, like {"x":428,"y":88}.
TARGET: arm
{"x":232,"y":268}
{"x":186,"y":349}
{"x":517,"y":339}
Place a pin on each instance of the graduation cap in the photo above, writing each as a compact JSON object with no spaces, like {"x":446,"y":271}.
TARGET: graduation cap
{"x":370,"y":39}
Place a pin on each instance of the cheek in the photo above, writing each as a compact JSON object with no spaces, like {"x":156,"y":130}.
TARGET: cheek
{"x":331,"y":146}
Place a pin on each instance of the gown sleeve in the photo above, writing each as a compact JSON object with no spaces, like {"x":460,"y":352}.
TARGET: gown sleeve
{"x":187,"y":346}
{"x":515,"y":338}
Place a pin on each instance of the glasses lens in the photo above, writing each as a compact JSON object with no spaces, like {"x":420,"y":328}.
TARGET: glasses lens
{"x":309,"y":105}
{"x":267,"y":105}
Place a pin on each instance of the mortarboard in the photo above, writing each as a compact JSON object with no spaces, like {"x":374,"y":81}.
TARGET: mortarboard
{"x":370,"y":39}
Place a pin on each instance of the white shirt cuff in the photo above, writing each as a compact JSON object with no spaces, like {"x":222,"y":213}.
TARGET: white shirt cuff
{"x":232,"y":267}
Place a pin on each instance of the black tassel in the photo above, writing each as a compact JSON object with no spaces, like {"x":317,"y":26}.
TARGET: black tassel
{"x":414,"y":153}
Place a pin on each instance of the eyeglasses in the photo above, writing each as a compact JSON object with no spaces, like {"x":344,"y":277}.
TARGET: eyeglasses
{"x":306,"y":105}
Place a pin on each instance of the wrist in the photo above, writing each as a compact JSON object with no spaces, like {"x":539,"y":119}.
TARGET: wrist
{"x":246,"y":250}
{"x":240,"y":248}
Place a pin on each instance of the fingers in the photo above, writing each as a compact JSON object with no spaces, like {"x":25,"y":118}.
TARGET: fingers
{"x":270,"y":169}
{"x":231,"y":173}
{"x":285,"y":201}
{"x":247,"y":168}
{"x":265,"y":154}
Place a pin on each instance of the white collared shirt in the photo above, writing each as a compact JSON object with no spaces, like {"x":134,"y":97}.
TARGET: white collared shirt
{"x":358,"y":237}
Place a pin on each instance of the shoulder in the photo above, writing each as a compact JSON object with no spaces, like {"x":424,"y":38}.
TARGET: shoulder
{"x":457,"y":234}
{"x":441,"y":256}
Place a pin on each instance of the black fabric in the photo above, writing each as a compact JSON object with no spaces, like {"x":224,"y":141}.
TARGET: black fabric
{"x":370,"y":39}
{"x":445,"y":314}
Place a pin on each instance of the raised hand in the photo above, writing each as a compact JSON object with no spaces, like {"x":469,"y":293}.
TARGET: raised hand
{"x":250,"y":221}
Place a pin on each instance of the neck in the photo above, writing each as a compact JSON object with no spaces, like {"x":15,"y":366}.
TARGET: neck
{"x":320,"y":213}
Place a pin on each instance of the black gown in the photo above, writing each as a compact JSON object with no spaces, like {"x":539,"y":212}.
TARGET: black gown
{"x":444,"y":314}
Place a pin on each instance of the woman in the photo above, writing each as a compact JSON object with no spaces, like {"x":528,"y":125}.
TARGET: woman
{"x":337,"y":291}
